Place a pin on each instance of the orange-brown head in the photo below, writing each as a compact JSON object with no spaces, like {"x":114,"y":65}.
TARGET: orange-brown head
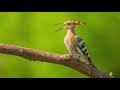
{"x":71,"y":24}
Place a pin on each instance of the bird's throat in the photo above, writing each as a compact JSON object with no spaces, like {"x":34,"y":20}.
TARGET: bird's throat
{"x":71,"y":31}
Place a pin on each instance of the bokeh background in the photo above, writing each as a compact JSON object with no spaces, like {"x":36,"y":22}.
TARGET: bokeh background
{"x":37,"y":30}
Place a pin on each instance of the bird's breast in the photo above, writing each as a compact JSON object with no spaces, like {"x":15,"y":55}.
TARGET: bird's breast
{"x":69,"y":39}
{"x":69,"y":42}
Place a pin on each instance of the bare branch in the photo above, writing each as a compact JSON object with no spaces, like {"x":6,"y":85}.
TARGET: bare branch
{"x":62,"y":59}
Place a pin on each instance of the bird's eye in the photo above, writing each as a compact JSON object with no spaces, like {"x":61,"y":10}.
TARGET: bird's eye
{"x":68,"y":23}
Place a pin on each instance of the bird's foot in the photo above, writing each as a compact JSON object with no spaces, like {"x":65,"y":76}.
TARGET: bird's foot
{"x":78,"y":59}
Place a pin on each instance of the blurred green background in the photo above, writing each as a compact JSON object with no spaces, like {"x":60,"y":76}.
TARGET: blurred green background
{"x":36,"y":30}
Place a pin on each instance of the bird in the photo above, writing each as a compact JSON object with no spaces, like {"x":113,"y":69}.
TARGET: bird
{"x":75,"y":44}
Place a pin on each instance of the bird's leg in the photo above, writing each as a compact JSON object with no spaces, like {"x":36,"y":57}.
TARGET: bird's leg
{"x":78,"y":59}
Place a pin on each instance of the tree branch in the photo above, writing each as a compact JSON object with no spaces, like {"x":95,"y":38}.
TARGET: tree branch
{"x":62,"y":59}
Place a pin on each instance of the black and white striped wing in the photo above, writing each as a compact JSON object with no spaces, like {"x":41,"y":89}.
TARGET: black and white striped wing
{"x":82,"y":47}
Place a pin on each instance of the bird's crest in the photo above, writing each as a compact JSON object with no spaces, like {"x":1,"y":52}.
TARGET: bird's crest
{"x":74,"y":22}
{"x":70,"y":22}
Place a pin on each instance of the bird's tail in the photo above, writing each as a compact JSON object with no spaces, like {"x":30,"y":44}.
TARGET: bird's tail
{"x":93,"y":65}
{"x":91,"y":62}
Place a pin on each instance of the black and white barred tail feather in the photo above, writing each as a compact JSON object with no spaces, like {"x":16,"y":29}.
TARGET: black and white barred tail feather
{"x":91,"y":62}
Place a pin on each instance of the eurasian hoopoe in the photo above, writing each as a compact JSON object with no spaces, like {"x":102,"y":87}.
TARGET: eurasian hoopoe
{"x":75,"y":44}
